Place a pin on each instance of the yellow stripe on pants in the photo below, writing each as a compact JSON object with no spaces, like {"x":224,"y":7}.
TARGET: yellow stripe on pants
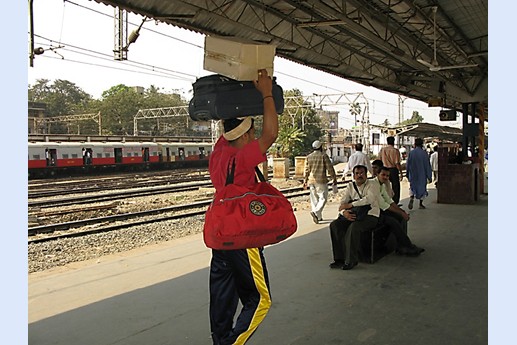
{"x":265,"y":300}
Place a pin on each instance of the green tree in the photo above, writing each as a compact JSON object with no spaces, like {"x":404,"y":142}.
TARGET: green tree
{"x":289,"y":139}
{"x":302,"y":119}
{"x":415,"y":118}
{"x":63,"y":97}
{"x":119,"y":104}
{"x":154,"y":98}
{"x":355,"y":110}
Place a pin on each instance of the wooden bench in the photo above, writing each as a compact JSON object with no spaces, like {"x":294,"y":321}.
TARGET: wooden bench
{"x":376,"y":244}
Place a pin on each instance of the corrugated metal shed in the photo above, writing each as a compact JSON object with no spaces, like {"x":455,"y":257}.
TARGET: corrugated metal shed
{"x":428,"y":130}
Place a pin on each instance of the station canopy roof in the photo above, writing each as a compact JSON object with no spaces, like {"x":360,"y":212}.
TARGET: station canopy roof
{"x":427,"y":131}
{"x":435,"y":51}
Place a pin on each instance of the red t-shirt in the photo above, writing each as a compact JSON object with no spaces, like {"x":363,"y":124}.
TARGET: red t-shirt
{"x":246,"y":159}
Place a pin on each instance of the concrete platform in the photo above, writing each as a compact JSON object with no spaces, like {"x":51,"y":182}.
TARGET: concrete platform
{"x":159,"y":294}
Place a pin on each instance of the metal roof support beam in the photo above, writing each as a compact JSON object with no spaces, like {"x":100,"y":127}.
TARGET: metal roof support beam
{"x":155,"y":113}
{"x":44,"y":121}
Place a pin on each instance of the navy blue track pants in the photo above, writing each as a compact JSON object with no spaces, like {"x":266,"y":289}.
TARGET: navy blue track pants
{"x":237,"y":275}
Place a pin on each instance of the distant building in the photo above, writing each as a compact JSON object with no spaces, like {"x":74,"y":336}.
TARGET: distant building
{"x":138,"y":89}
{"x":36,"y":112}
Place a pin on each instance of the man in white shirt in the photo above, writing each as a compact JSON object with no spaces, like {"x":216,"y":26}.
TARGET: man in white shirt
{"x":357,"y":158}
{"x":433,"y":159}
{"x":345,"y":231}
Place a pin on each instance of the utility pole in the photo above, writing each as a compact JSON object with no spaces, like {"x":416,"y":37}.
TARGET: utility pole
{"x":120,"y":34}
{"x":401,"y":116}
{"x":122,"y":40}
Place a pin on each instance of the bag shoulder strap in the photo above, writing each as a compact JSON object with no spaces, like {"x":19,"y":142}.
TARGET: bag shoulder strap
{"x":357,"y":190}
{"x":230,"y":173}
{"x":260,"y":175}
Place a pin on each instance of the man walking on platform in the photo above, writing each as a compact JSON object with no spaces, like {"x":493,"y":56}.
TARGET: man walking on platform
{"x":357,"y":158}
{"x":418,"y":171}
{"x":390,"y":157}
{"x":241,"y":274}
{"x":316,"y":167}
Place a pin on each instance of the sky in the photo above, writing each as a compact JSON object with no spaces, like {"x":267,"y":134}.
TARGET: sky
{"x":78,"y":38}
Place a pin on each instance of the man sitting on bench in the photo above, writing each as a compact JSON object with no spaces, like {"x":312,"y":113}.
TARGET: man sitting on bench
{"x":345,"y":231}
{"x":394,"y":217}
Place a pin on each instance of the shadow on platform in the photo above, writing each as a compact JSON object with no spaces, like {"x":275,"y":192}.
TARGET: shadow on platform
{"x":438,"y":298}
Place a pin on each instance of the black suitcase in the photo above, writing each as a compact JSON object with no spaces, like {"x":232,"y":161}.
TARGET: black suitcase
{"x":217,"y":97}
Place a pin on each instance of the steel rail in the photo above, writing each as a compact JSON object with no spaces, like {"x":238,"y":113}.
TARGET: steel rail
{"x":117,"y":195}
{"x":33,"y":231}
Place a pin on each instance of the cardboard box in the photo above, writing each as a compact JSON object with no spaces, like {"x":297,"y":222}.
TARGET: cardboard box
{"x":236,"y":58}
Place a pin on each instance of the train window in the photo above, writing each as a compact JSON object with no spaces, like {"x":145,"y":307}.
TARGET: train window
{"x":107,"y":155}
{"x":74,"y":155}
{"x":99,"y":155}
{"x":65,"y":155}
{"x":36,"y":157}
{"x":128,"y":154}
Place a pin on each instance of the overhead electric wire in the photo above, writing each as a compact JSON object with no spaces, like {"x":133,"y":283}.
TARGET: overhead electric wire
{"x":201,"y":47}
{"x":198,"y":46}
{"x":107,"y":57}
{"x":164,"y":72}
{"x":308,"y":81}
{"x":110,"y":67}
{"x":149,"y":68}
{"x":143,"y":28}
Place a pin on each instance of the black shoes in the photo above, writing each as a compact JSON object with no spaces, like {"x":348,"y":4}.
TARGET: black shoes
{"x":418,"y":249}
{"x":344,"y":266}
{"x":315,"y":218}
{"x":337,"y":264}
{"x":420,"y":206}
{"x":349,"y":265}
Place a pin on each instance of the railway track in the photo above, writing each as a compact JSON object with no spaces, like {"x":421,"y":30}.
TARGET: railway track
{"x":42,"y":190}
{"x":75,"y":228}
{"x":100,"y":188}
{"x":153,"y":187}
{"x":130,"y":219}
{"x":85,"y":199}
{"x":133,"y":217}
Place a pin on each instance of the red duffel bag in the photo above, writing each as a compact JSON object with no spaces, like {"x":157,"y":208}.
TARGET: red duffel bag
{"x":240,"y":217}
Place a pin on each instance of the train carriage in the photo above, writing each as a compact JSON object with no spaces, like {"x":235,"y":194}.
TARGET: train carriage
{"x":171,"y":152}
{"x":51,"y":159}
